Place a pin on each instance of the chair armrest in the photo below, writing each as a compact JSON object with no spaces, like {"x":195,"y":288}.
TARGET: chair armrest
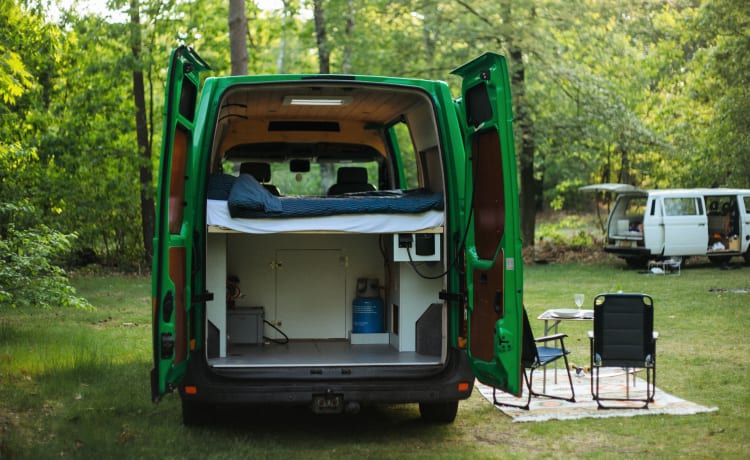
{"x":549,"y":338}
{"x":591,"y":334}
{"x":656,"y":334}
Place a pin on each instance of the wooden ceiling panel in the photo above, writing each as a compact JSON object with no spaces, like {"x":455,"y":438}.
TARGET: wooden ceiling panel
{"x":368,"y":105}
{"x":247,"y":111}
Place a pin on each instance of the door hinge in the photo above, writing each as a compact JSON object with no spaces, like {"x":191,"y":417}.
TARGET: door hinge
{"x":203,"y":297}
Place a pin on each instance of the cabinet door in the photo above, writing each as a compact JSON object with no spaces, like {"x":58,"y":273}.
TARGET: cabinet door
{"x":311,"y":293}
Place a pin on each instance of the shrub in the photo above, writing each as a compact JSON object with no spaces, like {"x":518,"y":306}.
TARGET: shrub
{"x":28,"y":273}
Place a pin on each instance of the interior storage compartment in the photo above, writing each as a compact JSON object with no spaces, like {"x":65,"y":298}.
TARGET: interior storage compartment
{"x":303,"y":288}
{"x":245,"y":325}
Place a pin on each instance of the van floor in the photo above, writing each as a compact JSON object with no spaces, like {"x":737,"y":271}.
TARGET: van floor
{"x":304,"y":353}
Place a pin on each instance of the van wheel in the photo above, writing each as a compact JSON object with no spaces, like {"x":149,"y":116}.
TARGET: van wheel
{"x":747,"y":257}
{"x":438,"y":412}
{"x":721,"y":260}
{"x":636,"y":262}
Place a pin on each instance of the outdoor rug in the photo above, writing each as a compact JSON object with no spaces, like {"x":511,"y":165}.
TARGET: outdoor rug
{"x":611,"y":383}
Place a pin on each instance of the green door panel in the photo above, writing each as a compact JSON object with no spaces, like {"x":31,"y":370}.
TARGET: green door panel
{"x":172,"y":244}
{"x":494,"y":271}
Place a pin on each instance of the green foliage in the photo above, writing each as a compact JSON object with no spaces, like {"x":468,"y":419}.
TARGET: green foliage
{"x":719,"y":78}
{"x":571,"y":230}
{"x":649,"y":93}
{"x":68,"y":144}
{"x":28,"y":274}
{"x":14,"y":78}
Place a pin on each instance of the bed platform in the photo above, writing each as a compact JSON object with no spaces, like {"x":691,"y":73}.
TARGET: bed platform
{"x":245,"y":206}
{"x":219,"y":220}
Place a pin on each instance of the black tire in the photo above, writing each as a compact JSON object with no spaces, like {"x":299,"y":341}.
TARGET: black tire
{"x":636,"y":262}
{"x":438,"y":412}
{"x":747,"y":257}
{"x":719,"y":260}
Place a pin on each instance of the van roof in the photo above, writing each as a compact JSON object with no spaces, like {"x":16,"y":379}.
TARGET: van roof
{"x":698,"y":191}
{"x":626,"y":189}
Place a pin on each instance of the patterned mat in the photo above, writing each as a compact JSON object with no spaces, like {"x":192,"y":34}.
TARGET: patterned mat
{"x":612,"y":384}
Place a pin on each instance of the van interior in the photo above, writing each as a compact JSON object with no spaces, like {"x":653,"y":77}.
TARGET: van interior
{"x":626,"y":220}
{"x":362,"y":291}
{"x":723,"y":223}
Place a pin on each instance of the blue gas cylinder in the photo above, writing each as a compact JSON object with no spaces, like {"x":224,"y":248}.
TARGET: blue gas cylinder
{"x":367,"y":315}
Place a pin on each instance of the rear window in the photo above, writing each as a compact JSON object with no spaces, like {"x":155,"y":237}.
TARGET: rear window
{"x":319,"y":179}
{"x":635,"y":206}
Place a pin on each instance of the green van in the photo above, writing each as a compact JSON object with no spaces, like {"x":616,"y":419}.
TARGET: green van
{"x":336,"y":240}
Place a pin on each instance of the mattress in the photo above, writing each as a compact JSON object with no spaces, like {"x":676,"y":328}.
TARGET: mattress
{"x":217,"y":216}
{"x":248,"y":198}
{"x":244,"y":205}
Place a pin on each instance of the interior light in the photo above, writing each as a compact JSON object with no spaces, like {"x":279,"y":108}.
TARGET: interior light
{"x":324,"y":101}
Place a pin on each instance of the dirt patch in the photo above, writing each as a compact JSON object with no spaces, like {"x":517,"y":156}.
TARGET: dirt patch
{"x":545,"y":253}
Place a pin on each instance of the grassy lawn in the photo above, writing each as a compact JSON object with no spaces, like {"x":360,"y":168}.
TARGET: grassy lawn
{"x":76,"y":384}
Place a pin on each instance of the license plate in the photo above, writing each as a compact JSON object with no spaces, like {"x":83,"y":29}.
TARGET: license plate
{"x":328,"y":404}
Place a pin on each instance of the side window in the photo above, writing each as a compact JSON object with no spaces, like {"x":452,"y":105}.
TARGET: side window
{"x":682,"y":207}
{"x":402,"y":136}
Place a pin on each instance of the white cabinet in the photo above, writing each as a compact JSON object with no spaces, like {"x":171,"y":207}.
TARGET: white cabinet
{"x":305,"y":282}
{"x":311,"y":298}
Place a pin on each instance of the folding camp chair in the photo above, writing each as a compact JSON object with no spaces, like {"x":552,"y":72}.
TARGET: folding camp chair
{"x":623,"y":337}
{"x":534,"y":357}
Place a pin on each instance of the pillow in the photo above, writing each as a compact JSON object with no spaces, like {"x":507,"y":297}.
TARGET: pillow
{"x":248,"y":193}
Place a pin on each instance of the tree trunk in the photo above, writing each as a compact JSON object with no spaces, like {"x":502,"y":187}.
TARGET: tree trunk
{"x":287,"y":18}
{"x":528,"y":186}
{"x":324,"y":64}
{"x":351,"y":12}
{"x":324,"y":58}
{"x":141,"y":128}
{"x":238,"y":36}
{"x":624,"y":166}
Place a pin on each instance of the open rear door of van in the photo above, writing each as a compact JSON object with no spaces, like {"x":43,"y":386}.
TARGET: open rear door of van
{"x":494,"y":271}
{"x":170,"y":288}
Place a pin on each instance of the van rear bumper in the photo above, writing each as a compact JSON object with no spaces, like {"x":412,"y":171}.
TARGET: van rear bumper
{"x":208,"y":388}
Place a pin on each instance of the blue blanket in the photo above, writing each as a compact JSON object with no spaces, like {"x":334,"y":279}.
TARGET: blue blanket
{"x":248,"y":199}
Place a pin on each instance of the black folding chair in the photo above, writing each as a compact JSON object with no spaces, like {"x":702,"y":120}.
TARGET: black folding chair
{"x":623,"y":337}
{"x":534,"y":357}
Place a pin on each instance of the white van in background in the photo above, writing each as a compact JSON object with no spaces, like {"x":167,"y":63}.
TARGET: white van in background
{"x":657,"y":224}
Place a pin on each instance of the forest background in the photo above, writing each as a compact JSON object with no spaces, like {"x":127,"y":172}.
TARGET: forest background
{"x":650,"y":93}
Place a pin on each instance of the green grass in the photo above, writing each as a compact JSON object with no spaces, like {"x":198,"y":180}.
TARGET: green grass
{"x":76,"y":384}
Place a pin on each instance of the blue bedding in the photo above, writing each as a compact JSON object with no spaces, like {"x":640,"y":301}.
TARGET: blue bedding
{"x":248,"y":198}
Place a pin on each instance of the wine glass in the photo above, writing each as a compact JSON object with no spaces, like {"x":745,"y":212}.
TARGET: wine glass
{"x":578,"y":299}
